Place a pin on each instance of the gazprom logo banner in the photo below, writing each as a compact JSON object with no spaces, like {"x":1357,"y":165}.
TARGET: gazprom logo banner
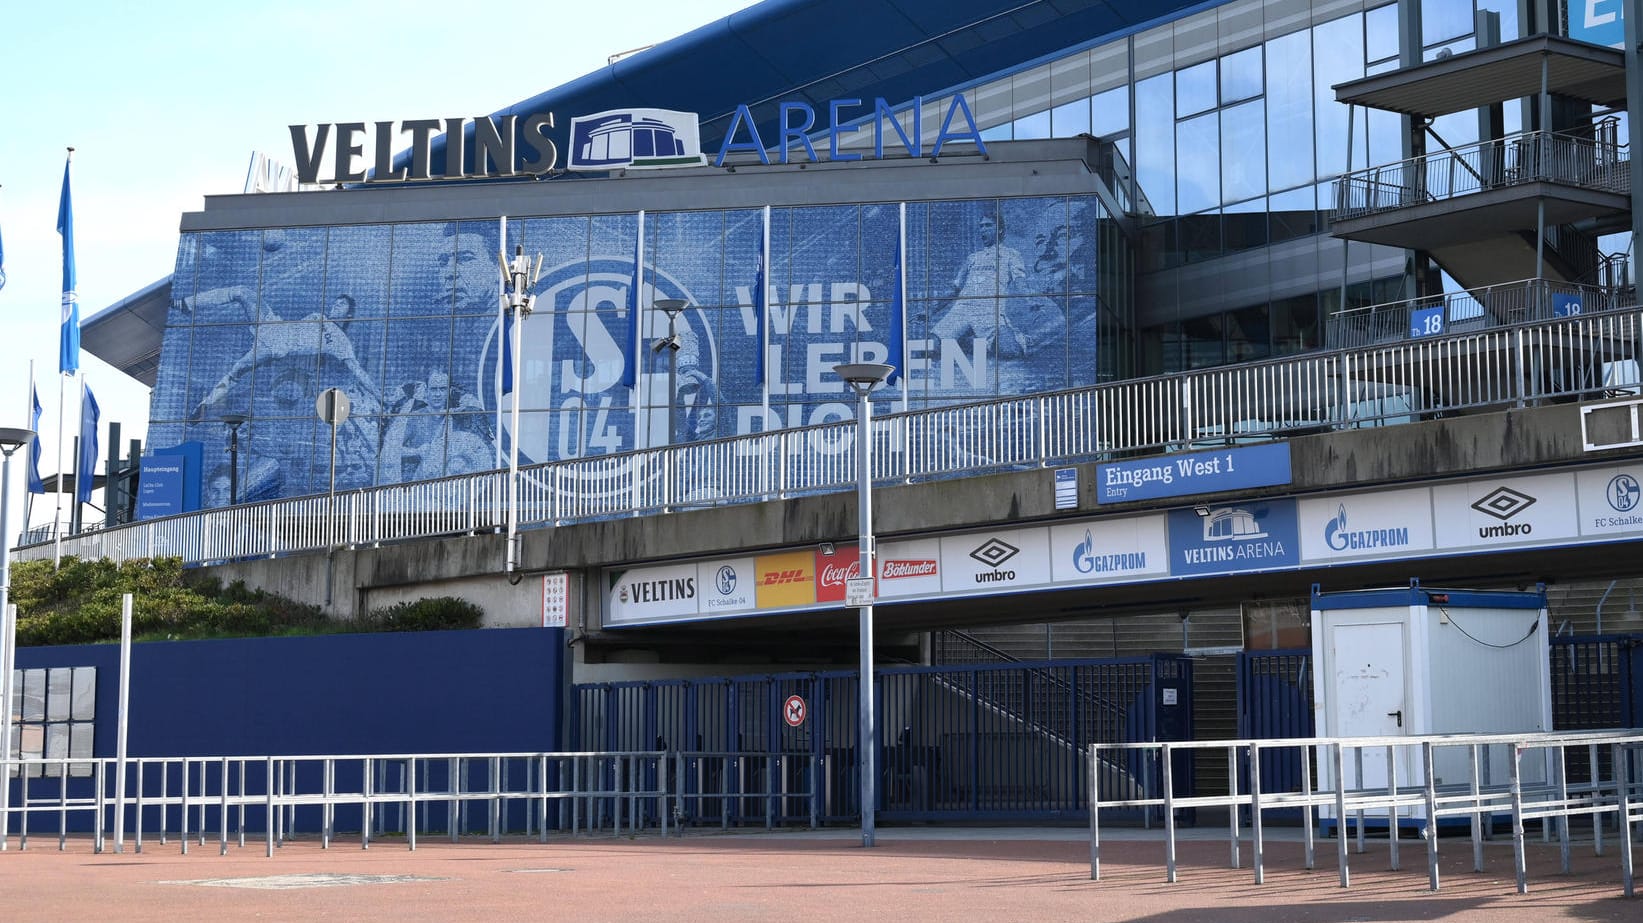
{"x":1601,"y":22}
{"x":1109,"y":550}
{"x":1381,"y":525}
{"x":635,"y":139}
{"x":1234,"y":538}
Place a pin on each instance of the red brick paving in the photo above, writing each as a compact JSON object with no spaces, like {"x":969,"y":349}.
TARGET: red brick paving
{"x":911,"y":875}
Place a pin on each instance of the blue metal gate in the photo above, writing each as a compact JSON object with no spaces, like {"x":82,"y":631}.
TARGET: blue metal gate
{"x":966,"y":742}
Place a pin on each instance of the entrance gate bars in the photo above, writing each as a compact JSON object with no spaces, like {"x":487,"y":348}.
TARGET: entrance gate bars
{"x":978,"y":742}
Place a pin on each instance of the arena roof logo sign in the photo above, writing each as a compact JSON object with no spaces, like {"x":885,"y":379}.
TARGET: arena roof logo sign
{"x":635,"y":139}
{"x":497,"y":143}
{"x":797,"y":122}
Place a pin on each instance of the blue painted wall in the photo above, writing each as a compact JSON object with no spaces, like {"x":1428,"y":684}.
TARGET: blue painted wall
{"x":414,"y":692}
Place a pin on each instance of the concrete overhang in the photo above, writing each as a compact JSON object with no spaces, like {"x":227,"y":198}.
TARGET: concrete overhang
{"x":1480,"y":215}
{"x":128,"y":333}
{"x":1513,"y":70}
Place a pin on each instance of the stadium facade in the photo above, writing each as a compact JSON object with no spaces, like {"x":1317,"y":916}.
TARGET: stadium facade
{"x":1194,"y":237}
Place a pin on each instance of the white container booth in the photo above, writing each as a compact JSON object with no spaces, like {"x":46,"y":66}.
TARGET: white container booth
{"x":1420,"y":661}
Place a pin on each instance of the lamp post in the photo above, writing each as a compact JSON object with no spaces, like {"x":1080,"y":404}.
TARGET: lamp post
{"x":234,"y":422}
{"x":11,"y":439}
{"x":672,"y":307}
{"x":863,"y":377}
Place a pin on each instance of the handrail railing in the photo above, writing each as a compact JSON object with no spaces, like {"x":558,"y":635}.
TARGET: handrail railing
{"x":1582,"y":356}
{"x":1532,"y":156}
{"x":1499,"y":305}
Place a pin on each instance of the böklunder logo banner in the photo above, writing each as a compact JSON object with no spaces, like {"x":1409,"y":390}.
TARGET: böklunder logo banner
{"x":1109,"y":551}
{"x":1380,"y":525}
{"x":910,"y":569}
{"x":985,"y":562}
{"x":1495,"y":512}
{"x":648,"y":595}
{"x":1611,"y":500}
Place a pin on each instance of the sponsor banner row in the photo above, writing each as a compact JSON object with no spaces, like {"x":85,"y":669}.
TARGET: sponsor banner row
{"x":1237,"y":537}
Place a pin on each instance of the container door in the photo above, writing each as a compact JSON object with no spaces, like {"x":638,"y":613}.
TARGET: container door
{"x":1369,"y":697}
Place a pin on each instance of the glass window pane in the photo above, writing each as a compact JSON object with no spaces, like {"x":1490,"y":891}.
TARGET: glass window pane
{"x":1289,"y":111}
{"x":85,"y":694}
{"x":1339,"y":59}
{"x":1442,"y":20}
{"x":1155,"y":141}
{"x":34,"y":695}
{"x":1033,"y":127}
{"x":1243,"y":151}
{"x":1292,"y":214}
{"x":1241,"y":75}
{"x":1110,"y":112}
{"x":58,"y":689}
{"x":1198,"y":168}
{"x":1244,"y":225}
{"x":80,"y":741}
{"x":1195,"y":88}
{"x":1070,"y":119}
{"x":1381,"y":33}
{"x":1248,"y":336}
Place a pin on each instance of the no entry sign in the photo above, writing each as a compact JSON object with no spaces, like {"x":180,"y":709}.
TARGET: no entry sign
{"x":793,"y":710}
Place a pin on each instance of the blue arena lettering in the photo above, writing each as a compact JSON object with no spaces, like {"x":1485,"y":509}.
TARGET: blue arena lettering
{"x":796,"y":121}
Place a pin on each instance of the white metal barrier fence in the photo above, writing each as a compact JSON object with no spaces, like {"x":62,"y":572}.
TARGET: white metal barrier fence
{"x":404,"y":795}
{"x":407,"y":795}
{"x":1394,"y":780}
{"x":1579,"y":357}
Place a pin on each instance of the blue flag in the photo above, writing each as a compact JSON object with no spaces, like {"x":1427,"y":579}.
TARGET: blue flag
{"x":897,"y":334}
{"x":37,"y":485}
{"x":85,"y":471}
{"x":68,"y":358}
{"x":630,"y":331}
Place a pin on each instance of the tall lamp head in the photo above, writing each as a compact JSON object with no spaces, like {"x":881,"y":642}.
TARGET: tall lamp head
{"x":13,"y":438}
{"x":863,"y":377}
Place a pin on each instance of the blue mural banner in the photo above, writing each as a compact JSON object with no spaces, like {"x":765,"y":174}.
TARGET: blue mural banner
{"x":1234,"y":538}
{"x":1601,"y":22}
{"x":1196,"y":473}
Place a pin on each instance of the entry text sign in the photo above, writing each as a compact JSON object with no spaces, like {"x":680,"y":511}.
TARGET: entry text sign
{"x":1196,"y":473}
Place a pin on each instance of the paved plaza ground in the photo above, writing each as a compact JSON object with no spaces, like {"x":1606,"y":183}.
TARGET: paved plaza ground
{"x":915,"y":873}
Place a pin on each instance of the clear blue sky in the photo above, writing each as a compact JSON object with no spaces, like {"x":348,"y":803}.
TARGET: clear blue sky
{"x":164,"y":103}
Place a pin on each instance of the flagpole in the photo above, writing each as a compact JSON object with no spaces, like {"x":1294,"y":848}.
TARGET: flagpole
{"x":28,"y":414}
{"x":636,"y":347}
{"x":69,"y":348}
{"x":57,"y":512}
{"x":763,"y":302}
{"x":900,"y":349}
{"x":501,"y":328}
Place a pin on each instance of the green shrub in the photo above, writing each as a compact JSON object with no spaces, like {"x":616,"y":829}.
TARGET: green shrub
{"x":437,"y":613}
{"x":79,"y":603}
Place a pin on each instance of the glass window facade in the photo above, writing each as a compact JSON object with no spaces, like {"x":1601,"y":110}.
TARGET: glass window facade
{"x":1004,"y":297}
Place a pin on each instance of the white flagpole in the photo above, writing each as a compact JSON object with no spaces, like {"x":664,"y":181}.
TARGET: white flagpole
{"x":501,"y":329}
{"x":8,"y":657}
{"x":28,"y":414}
{"x":57,"y":513}
{"x":124,"y":722}
{"x":764,"y":323}
{"x":901,"y":287}
{"x":641,"y":384}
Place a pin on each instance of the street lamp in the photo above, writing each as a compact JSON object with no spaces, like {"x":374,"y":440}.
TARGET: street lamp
{"x":11,"y":439}
{"x":234,"y":421}
{"x":673,"y":307}
{"x":863,"y":377}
